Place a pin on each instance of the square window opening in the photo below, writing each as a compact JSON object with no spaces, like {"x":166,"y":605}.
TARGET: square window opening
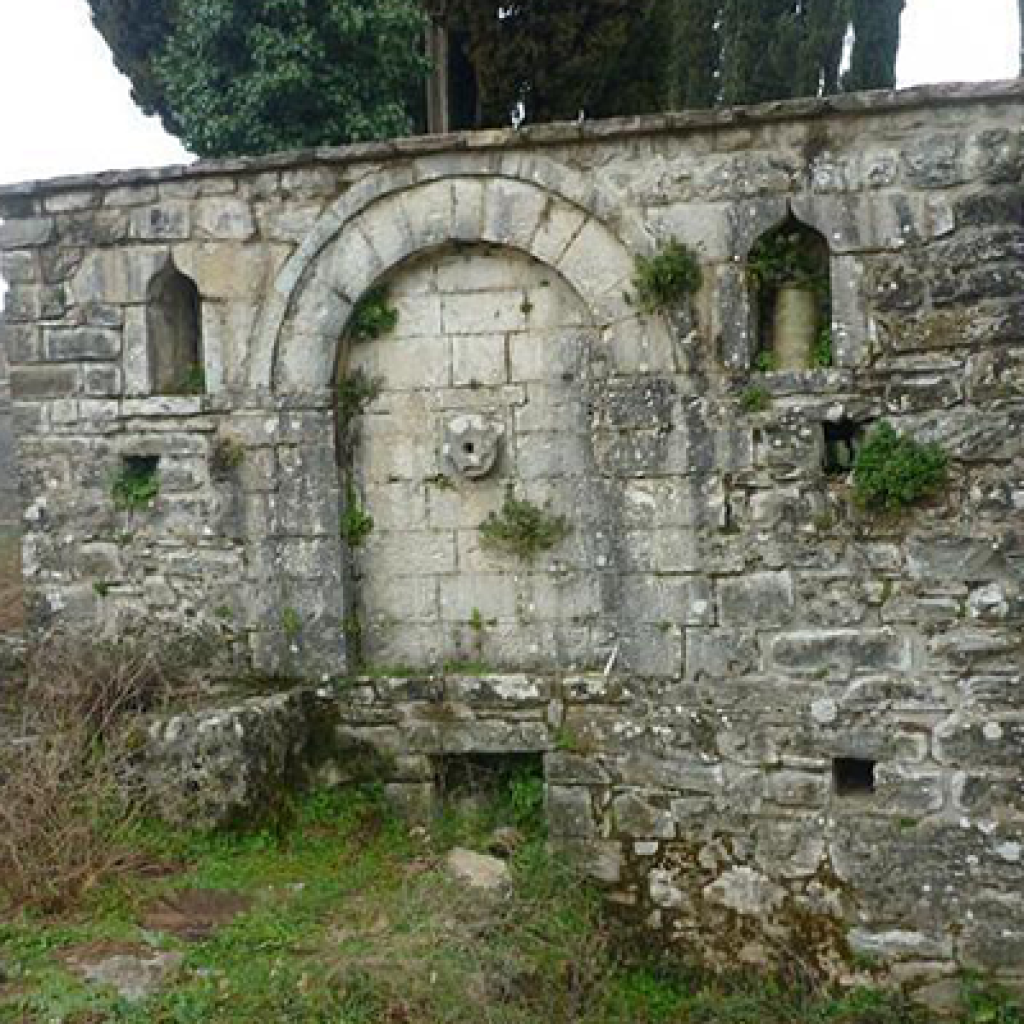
{"x":853,"y":776}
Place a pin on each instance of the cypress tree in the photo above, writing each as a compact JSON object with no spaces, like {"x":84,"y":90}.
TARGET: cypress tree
{"x":695,"y":63}
{"x":876,"y":28}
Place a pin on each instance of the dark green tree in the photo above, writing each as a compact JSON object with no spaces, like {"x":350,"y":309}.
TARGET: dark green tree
{"x":136,"y":31}
{"x":876,"y":43}
{"x":232,"y":77}
{"x":696,"y":60}
{"x":560,"y":58}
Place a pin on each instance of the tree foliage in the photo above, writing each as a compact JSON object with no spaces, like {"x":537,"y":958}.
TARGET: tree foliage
{"x":250,"y":76}
{"x":136,"y":31}
{"x":559,"y":58}
{"x":234,"y":77}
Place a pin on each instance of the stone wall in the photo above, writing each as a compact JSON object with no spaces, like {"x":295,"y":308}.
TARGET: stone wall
{"x":772,"y":721}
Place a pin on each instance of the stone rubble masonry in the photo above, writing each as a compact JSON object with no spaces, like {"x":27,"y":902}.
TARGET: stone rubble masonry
{"x":769,"y":722}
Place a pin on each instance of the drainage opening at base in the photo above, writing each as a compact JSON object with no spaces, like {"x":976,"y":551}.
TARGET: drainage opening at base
{"x":853,"y":776}
{"x":494,"y":789}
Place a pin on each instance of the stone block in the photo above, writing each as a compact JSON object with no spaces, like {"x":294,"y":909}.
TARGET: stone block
{"x":167,"y":221}
{"x":19,"y":267}
{"x":758,"y":599}
{"x":713,"y":654}
{"x":21,"y":343}
{"x":479,"y":360}
{"x":636,"y":817}
{"x":570,"y":812}
{"x":797,"y":789}
{"x":81,"y":344}
{"x":225,"y":219}
{"x":412,"y":552}
{"x":44,"y":382}
{"x":471,"y":597}
{"x":841,"y":652}
{"x":26,"y":233}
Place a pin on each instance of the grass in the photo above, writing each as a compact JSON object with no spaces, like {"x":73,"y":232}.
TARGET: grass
{"x":352,"y":919}
{"x":12,"y":610}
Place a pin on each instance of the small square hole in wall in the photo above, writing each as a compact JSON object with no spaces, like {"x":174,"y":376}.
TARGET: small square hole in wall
{"x":853,"y":776}
{"x":496,"y":789}
{"x":137,"y":482}
{"x":842,"y":441}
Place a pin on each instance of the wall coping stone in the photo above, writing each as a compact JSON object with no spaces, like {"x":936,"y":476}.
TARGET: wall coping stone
{"x":894,"y":101}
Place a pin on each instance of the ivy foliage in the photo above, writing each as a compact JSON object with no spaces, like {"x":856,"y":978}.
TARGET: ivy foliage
{"x":264,"y":75}
{"x":892,"y":470}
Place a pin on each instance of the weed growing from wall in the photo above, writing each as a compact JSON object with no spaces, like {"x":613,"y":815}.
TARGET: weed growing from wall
{"x":355,"y":392}
{"x":667,"y":278}
{"x":373,"y":316}
{"x":892,"y":470}
{"x":356,"y":522}
{"x":822,"y":355}
{"x":755,"y":399}
{"x":522,"y":529}
{"x":227,"y":455}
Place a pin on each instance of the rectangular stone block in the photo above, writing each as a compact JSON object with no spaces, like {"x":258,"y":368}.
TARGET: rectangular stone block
{"x":81,"y":344}
{"x":412,"y":552}
{"x":26,"y":233}
{"x":479,"y":360}
{"x":168,"y":221}
{"x":762,"y":599}
{"x":44,"y":382}
{"x":841,"y":652}
{"x":21,"y":343}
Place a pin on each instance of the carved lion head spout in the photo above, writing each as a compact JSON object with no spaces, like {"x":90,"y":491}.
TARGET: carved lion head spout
{"x":471,"y":444}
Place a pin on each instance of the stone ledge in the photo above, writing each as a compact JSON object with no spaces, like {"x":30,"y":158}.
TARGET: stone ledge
{"x":557,"y":133}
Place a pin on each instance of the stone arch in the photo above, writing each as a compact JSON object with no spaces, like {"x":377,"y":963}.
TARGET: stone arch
{"x":535,"y":206}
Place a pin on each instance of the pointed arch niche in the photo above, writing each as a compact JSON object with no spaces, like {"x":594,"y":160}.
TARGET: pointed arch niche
{"x":174,"y":334}
{"x":789,"y":275}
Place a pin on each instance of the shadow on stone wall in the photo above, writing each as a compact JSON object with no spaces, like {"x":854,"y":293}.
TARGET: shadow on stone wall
{"x":11,"y":607}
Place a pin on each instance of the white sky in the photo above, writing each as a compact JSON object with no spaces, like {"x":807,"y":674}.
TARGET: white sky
{"x":64,"y":109}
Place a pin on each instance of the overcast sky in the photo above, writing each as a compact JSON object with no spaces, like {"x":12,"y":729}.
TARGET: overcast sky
{"x":64,"y":109}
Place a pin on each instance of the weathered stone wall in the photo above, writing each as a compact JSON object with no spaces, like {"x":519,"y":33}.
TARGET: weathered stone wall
{"x":722,"y":635}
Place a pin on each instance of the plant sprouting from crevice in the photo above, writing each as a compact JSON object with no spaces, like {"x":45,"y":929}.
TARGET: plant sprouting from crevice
{"x":667,"y":278}
{"x":893,"y":470}
{"x":522,"y":528}
{"x":373,"y":316}
{"x":356,"y":522}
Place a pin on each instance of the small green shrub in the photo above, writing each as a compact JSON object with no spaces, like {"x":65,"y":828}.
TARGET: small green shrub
{"x":137,"y":483}
{"x":766,"y":362}
{"x":522,"y":528}
{"x":666,"y":278}
{"x":356,"y":522}
{"x":755,"y":399}
{"x":373,"y":316}
{"x":892,"y":470}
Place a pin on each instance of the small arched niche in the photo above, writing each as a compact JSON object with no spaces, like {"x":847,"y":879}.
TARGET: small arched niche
{"x":789,"y":274}
{"x":174,"y":334}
